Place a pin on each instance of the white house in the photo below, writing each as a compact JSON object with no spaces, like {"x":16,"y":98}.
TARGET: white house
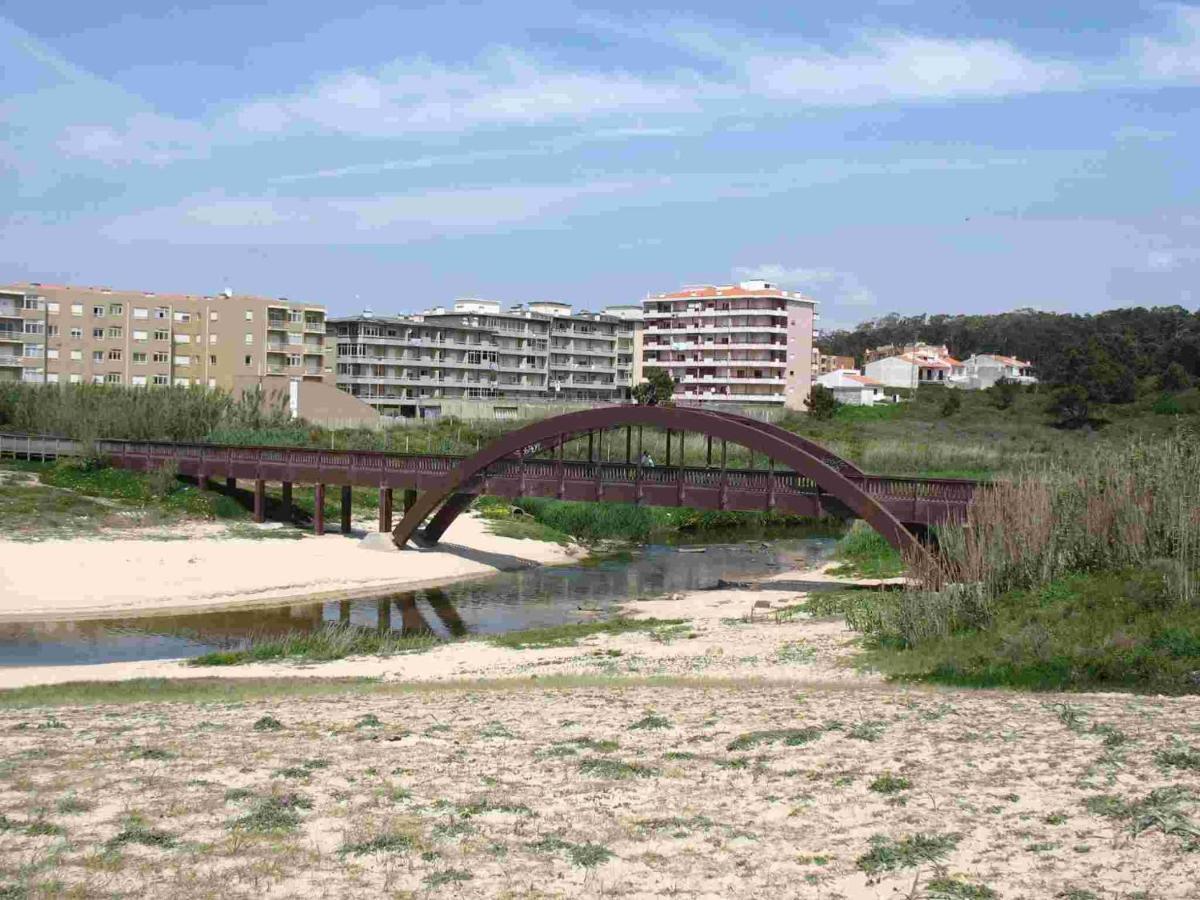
{"x":913,"y":369}
{"x":851,"y":388}
{"x":983,"y":370}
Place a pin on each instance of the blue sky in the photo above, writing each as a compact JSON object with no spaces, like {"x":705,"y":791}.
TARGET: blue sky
{"x":889,"y":156}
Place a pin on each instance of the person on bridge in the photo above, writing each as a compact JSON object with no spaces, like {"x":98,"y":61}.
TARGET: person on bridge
{"x":646,"y":460}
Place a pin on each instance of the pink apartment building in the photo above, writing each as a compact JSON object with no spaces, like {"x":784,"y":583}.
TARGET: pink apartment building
{"x":746,"y":343}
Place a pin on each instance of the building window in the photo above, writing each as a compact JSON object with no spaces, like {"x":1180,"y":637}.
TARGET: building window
{"x":182,"y":382}
{"x":183,"y":360}
{"x":98,"y":333}
{"x":97,"y":379}
{"x":98,"y":312}
{"x":293,"y":360}
{"x":247,"y":361}
{"x":116,"y":309}
{"x":161,"y":312}
{"x":161,"y":357}
{"x":249,"y":338}
{"x":77,"y":354}
{"x":212,"y":360}
{"x":97,"y":356}
{"x":140,"y":335}
{"x":51,"y":331}
{"x":138,"y":380}
{"x":183,"y":338}
{"x":213,"y":315}
{"x":52,"y":307}
{"x":212,"y":338}
{"x":183,"y":317}
{"x":76,"y":333}
{"x":116,"y":333}
{"x":295,"y":317}
{"x":162,"y":336}
{"x":212,"y":382}
{"x":139,"y":359}
{"x":52,"y":378}
{"x":112,"y":378}
{"x":114,"y":355}
{"x":249,"y":315}
{"x":159,"y":380}
{"x":52,"y":353}
{"x":77,"y":309}
{"x":140,"y":312}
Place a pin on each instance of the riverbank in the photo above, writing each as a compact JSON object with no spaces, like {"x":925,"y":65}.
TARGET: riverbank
{"x":198,"y":567}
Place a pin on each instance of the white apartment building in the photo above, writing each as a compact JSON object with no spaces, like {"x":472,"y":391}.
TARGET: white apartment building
{"x":746,"y":343}
{"x":983,"y":370}
{"x":478,"y":350}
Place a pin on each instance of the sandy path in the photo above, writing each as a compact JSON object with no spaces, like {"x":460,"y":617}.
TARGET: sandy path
{"x":60,"y":579}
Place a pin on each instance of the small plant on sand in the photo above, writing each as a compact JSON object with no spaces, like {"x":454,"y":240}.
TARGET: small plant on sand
{"x":71,"y":805}
{"x":888,"y":855}
{"x":392,"y":842}
{"x":370,"y":720}
{"x":136,"y":831}
{"x":1178,"y":756}
{"x":795,"y":653}
{"x":268,"y":723}
{"x":957,"y":889}
{"x":152,"y":753}
{"x":570,"y":634}
{"x":447,"y":876}
{"x":1162,"y":809}
{"x":42,"y":828}
{"x":887,"y":783}
{"x":277,"y":813}
{"x":650,"y":721}
{"x":614,"y":768}
{"x":789,"y":737}
{"x":588,"y":856}
{"x":867,"y":731}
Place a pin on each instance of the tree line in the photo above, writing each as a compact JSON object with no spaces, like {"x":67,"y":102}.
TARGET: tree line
{"x":1089,"y":359}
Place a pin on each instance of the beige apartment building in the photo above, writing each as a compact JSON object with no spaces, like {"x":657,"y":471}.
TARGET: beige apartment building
{"x":60,"y":334}
{"x":748,"y":343}
{"x":407,"y":366}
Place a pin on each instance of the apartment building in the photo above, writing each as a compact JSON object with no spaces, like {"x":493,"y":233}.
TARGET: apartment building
{"x":824,"y":363}
{"x":61,"y":334}
{"x":746,"y":343}
{"x":404,"y":365}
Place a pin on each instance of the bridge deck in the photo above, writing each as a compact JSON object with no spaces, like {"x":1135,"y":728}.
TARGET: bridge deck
{"x":920,"y":501}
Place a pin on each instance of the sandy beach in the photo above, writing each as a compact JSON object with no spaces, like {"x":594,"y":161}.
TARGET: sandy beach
{"x":116,"y":575}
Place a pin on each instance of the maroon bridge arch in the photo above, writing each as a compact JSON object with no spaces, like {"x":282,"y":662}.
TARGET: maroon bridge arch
{"x":802,"y":456}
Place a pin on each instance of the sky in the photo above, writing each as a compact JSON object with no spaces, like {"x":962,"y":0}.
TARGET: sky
{"x":934,"y":156}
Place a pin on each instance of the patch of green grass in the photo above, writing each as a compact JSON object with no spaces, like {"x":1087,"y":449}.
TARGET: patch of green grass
{"x":1163,"y":809}
{"x":447,"y":876}
{"x":615,"y":769}
{"x":649,"y":722}
{"x":153,"y":753}
{"x":604,"y":745}
{"x":870,"y":731}
{"x":392,"y":842}
{"x":957,"y":889}
{"x":569,"y":635}
{"x":589,"y":855}
{"x":1100,"y":630}
{"x":268,"y":723}
{"x":889,"y":855}
{"x":136,"y":831}
{"x":273,"y":814}
{"x":795,"y":653}
{"x":789,"y":737}
{"x":70,"y":805}
{"x":487,"y":805}
{"x":326,"y":643}
{"x":370,"y":720}
{"x":1178,"y":756}
{"x":42,"y":827}
{"x":888,"y":783}
{"x":863,"y":553}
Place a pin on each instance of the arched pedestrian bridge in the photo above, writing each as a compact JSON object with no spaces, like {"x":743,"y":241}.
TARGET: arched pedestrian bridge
{"x":787,"y":472}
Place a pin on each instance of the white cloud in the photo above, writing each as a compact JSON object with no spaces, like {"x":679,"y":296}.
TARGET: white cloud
{"x":829,"y":286}
{"x":1174,"y":57}
{"x":143,"y":137}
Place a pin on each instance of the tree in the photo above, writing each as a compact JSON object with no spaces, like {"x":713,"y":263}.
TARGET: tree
{"x":1174,"y":379}
{"x":951,"y":404}
{"x":1003,"y":393}
{"x":656,"y":390}
{"x":1070,"y":407}
{"x":821,"y":402}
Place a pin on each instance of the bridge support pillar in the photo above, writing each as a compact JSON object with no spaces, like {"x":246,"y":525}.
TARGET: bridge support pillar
{"x":260,"y":500}
{"x":231,"y":484}
{"x":385,"y":510}
{"x":410,"y":497}
{"x":344,"y":612}
{"x":347,"y":507}
{"x":318,"y":509}
{"x":383,"y":615}
{"x":285,"y":491}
